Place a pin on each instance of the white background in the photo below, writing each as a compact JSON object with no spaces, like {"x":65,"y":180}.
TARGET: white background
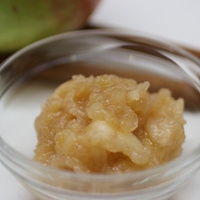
{"x":176,"y":20}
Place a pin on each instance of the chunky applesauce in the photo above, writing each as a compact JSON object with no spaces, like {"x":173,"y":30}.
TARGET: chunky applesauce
{"x":108,"y":124}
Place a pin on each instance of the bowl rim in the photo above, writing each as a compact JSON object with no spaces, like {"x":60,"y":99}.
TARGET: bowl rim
{"x":7,"y":151}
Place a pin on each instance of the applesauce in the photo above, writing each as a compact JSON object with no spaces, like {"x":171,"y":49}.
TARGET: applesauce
{"x":108,"y":124}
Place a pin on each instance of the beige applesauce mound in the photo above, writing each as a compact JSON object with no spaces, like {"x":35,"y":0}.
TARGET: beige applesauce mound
{"x":108,"y":124}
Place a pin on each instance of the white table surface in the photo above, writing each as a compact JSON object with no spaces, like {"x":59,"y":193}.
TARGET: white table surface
{"x":177,"y":20}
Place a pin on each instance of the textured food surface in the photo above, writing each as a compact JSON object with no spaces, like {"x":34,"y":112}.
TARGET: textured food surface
{"x":108,"y":124}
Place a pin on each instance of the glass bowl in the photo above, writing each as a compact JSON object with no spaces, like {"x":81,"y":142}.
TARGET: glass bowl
{"x":29,"y":76}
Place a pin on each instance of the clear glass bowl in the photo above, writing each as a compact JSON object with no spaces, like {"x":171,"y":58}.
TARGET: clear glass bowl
{"x":30,"y":75}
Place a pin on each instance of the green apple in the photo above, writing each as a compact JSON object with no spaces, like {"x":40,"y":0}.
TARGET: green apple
{"x":25,"y":21}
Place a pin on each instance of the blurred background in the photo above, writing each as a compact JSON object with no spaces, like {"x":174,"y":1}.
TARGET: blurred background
{"x":176,"y":20}
{"x":22,"y":22}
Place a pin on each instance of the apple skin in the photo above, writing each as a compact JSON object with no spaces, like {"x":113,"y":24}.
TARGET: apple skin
{"x":25,"y":21}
